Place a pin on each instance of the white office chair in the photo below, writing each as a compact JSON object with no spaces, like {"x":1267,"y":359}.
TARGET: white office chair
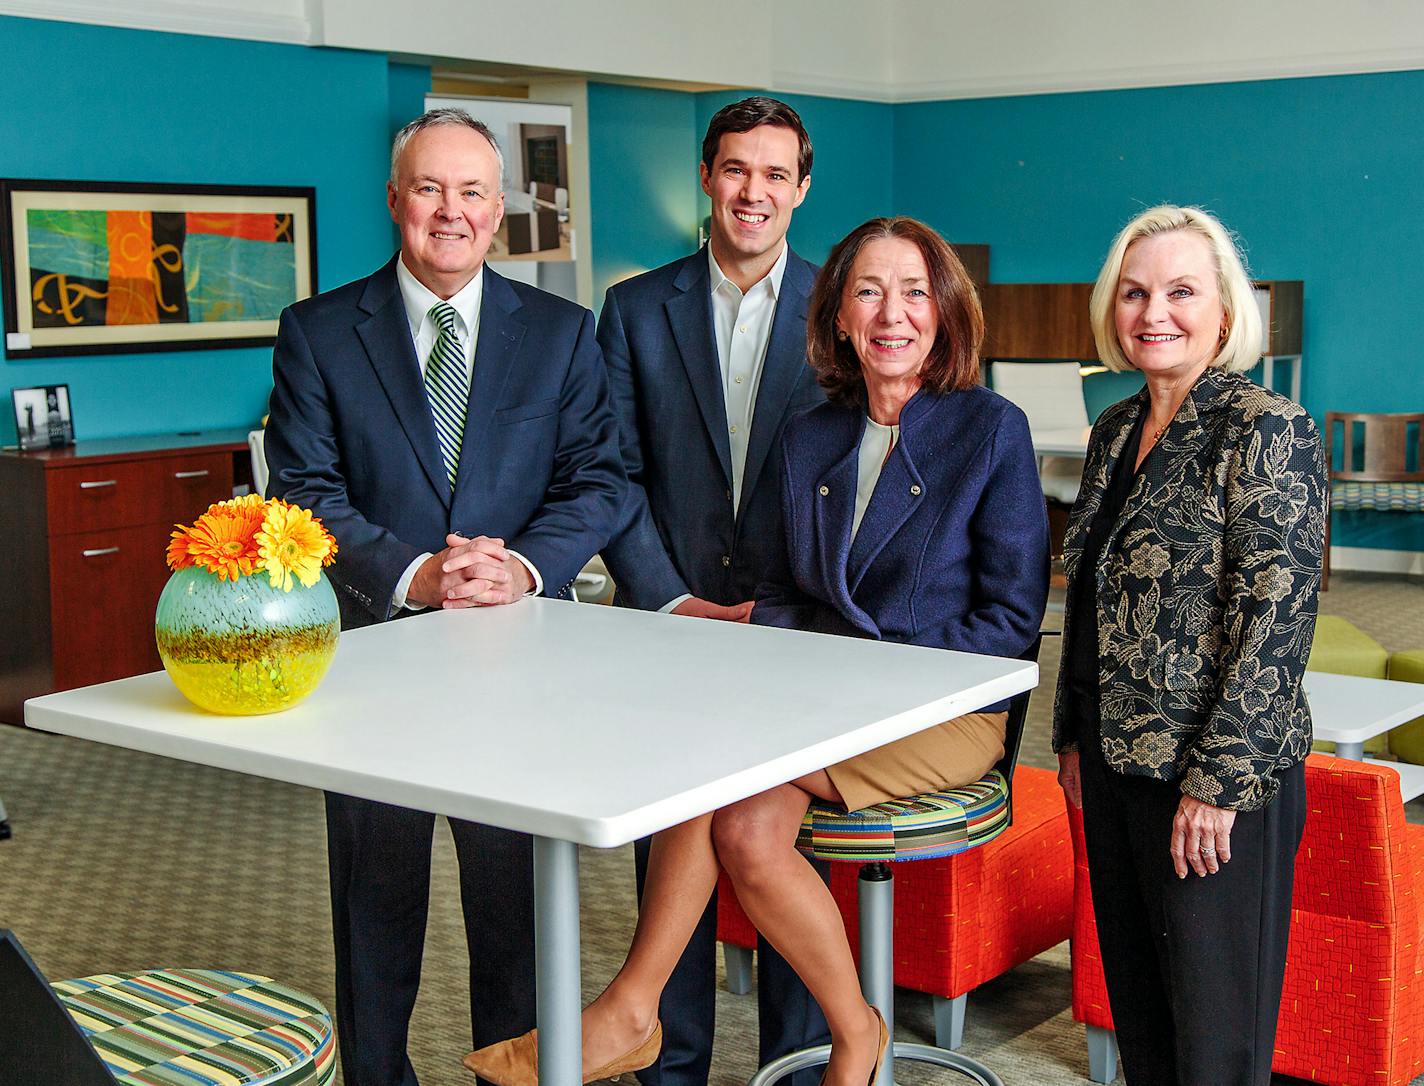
{"x":259,"y":462}
{"x":1051,"y":395}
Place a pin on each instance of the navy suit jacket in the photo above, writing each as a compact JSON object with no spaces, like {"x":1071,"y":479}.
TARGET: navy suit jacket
{"x":952,"y":551}
{"x":679,"y":533}
{"x":351,"y":436}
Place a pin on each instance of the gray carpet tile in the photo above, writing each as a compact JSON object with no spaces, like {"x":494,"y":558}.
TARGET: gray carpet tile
{"x":126,"y":861}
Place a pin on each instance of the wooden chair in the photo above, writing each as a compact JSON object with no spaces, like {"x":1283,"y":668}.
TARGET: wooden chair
{"x":1380,"y":465}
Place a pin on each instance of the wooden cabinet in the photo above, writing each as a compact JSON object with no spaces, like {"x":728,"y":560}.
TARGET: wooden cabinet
{"x":1038,"y":320}
{"x":84,"y":533}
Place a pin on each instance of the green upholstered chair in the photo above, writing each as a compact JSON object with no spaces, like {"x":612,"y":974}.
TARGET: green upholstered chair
{"x":1407,"y":740}
{"x":1341,"y":649}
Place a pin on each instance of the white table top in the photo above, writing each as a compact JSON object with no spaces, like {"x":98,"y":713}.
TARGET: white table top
{"x":1071,"y":442}
{"x":591,"y":724}
{"x":1349,"y":709}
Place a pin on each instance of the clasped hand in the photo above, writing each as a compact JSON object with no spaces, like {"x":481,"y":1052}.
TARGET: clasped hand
{"x":477,"y":572}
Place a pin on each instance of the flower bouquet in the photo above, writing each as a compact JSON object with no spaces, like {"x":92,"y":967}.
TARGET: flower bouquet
{"x":248,"y":623}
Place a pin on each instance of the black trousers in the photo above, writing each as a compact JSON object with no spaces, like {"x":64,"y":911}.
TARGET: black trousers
{"x":1194,"y":966}
{"x":789,"y":1017}
{"x":379,"y":858}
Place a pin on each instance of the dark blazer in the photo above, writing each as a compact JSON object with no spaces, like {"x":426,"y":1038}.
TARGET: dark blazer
{"x":1206,"y":591}
{"x":352,"y":437}
{"x":679,"y":533}
{"x":952,"y":551}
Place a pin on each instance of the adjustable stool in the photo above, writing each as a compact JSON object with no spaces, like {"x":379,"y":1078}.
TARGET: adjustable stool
{"x":917,"y":828}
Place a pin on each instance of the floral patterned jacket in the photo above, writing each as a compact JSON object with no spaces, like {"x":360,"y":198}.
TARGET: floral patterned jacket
{"x":1206,"y":592}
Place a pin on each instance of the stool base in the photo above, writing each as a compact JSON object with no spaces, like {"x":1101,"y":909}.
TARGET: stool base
{"x":814,"y":1057}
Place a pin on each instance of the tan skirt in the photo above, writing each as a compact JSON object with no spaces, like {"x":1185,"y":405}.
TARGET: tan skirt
{"x":948,"y":755}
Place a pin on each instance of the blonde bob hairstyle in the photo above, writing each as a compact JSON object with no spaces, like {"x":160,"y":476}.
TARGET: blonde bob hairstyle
{"x":1241,"y":349}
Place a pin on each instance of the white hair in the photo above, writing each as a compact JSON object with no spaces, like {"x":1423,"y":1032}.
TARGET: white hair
{"x":434,"y":118}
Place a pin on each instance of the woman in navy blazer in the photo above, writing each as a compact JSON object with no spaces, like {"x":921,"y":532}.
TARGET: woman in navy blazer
{"x":912,"y":513}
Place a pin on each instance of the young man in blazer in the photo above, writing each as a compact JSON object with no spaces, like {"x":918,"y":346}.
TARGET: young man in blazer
{"x":706,"y":360}
{"x":443,"y":490}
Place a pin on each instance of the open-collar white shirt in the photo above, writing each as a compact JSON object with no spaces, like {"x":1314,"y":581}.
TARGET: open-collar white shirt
{"x":419,"y":300}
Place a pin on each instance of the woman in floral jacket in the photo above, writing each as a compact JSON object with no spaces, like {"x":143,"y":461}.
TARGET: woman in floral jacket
{"x":1193,"y":557}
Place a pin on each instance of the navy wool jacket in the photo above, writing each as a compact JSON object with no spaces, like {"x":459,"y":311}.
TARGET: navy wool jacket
{"x":352,"y":437}
{"x":952,"y":552}
{"x":678,"y":532}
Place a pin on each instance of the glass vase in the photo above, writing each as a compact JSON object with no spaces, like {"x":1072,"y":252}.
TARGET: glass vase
{"x":243,"y":647}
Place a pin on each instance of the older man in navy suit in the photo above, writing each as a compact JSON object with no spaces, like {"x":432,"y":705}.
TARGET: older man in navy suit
{"x":453,"y":430}
{"x":707,"y":361}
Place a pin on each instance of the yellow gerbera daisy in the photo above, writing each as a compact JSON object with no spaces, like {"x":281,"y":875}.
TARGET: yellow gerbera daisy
{"x":292,"y":543}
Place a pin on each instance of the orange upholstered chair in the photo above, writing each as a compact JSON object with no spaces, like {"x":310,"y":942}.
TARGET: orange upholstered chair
{"x":1352,"y":1011}
{"x":960,"y":920}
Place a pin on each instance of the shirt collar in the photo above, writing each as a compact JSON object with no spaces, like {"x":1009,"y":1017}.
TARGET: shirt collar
{"x":772,"y":278}
{"x":419,"y":298}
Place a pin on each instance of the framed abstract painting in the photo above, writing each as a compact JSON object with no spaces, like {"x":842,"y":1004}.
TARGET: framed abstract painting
{"x":113,"y":267}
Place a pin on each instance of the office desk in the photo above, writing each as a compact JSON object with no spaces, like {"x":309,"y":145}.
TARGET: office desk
{"x":482,"y":714}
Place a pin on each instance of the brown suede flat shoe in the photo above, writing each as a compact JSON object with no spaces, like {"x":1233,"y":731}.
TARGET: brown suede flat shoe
{"x":516,"y":1062}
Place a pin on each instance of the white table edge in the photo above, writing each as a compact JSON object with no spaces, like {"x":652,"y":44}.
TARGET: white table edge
{"x":611,"y":831}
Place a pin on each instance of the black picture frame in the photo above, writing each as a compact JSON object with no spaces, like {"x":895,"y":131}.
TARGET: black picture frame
{"x":175,"y":273}
{"x":44,"y":416}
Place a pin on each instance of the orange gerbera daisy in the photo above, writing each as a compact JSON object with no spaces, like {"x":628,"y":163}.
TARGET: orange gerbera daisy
{"x":293,"y":543}
{"x":245,"y":503}
{"x":225,"y":542}
{"x":178,"y":554}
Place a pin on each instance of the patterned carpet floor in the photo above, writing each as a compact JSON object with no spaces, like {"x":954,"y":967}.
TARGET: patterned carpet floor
{"x":123,"y":861}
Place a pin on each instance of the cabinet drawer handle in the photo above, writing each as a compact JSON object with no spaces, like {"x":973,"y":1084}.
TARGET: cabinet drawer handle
{"x":96,"y":552}
{"x":192,"y":474}
{"x":97,"y":485}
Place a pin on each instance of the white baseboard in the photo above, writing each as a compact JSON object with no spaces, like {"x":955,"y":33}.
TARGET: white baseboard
{"x":1370,"y":560}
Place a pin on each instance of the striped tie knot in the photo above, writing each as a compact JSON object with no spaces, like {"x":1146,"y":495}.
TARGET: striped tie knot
{"x":443,"y":314}
{"x":447,"y":385}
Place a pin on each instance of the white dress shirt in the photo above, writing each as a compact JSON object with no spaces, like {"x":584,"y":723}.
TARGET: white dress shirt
{"x":419,"y":300}
{"x":875,"y":446}
{"x":741,"y":324}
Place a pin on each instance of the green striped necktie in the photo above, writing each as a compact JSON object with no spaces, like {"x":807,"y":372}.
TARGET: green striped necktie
{"x":447,"y":383}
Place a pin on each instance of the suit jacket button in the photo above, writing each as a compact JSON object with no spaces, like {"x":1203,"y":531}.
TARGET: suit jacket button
{"x":914,"y":488}
{"x":726,"y":560}
{"x":825,"y":490}
{"x":729,"y":494}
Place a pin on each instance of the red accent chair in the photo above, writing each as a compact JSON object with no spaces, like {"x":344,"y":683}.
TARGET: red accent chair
{"x":961,"y":920}
{"x":1352,"y":1011}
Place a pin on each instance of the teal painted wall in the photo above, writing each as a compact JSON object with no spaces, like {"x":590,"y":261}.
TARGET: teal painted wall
{"x":642,"y":164}
{"x":97,"y":103}
{"x":1319,"y":177}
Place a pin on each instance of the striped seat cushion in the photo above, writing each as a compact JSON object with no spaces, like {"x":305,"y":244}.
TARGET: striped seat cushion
{"x":1394,"y":497}
{"x":202,"y":1027}
{"x":918,"y":828}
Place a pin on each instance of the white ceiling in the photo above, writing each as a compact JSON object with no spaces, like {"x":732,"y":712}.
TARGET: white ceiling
{"x":883,"y":50}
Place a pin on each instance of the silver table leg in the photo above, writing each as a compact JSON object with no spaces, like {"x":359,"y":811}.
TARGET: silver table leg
{"x":1350,"y":750}
{"x":556,"y":961}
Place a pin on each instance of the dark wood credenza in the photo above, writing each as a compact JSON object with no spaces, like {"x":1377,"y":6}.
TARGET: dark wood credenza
{"x":83,"y":534}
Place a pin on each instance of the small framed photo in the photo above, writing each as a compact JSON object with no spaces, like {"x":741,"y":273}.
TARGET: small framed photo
{"x":42,"y":416}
